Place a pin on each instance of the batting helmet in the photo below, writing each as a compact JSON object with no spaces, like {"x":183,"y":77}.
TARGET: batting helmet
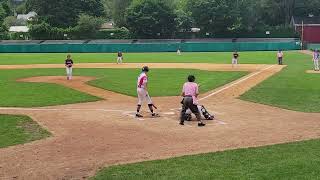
{"x":145,"y":69}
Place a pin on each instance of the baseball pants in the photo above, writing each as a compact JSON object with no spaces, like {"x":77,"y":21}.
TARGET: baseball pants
{"x":316,"y":65}
{"x":119,"y":60}
{"x":69,"y":72}
{"x":187,"y":103}
{"x":143,"y":96}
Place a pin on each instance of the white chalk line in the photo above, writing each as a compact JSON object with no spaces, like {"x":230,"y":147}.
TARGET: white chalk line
{"x":53,"y":109}
{"x":236,"y":82}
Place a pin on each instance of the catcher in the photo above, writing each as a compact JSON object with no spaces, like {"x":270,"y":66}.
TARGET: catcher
{"x":205,"y":114}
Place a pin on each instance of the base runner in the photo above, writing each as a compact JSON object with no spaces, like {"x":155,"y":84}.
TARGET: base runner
{"x":69,"y":64}
{"x":143,"y":95}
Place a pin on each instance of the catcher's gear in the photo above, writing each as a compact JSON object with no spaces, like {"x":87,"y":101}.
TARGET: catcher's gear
{"x":206,"y":114}
{"x":187,"y":116}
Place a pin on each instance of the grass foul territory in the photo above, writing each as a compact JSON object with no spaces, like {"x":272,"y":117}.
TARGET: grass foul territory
{"x":287,"y":161}
{"x":19,"y":130}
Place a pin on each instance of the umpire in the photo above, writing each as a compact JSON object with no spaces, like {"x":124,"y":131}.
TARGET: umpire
{"x":190,"y":93}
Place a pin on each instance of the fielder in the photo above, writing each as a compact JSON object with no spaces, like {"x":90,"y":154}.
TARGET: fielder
{"x":69,"y":64}
{"x":280,"y":57}
{"x":143,"y":95}
{"x":235,"y":59}
{"x":316,"y":56}
{"x":179,"y":52}
{"x":190,"y":93}
{"x":119,"y":58}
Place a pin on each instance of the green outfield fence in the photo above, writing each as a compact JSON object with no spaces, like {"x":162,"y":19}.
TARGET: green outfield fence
{"x":314,"y":46}
{"x":105,"y":46}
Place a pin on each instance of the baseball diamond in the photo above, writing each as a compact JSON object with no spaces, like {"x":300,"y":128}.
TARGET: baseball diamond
{"x":92,"y":117}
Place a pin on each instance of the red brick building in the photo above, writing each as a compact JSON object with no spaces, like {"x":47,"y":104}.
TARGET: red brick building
{"x":308,"y":28}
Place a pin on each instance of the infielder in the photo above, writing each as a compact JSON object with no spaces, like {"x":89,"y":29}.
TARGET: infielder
{"x":316,"y":56}
{"x":119,"y":58}
{"x":280,"y":57}
{"x":68,"y":64}
{"x":142,"y":91}
{"x":235,"y":59}
{"x":179,"y":52}
{"x":190,"y":93}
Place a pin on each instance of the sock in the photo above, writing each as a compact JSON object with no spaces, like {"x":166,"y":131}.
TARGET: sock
{"x":138,"y":109}
{"x":151,"y":108}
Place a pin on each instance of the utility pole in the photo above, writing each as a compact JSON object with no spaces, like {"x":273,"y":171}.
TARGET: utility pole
{"x":302,"y":34}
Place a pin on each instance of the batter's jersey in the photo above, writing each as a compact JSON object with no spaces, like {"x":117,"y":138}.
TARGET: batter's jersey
{"x":142,"y":80}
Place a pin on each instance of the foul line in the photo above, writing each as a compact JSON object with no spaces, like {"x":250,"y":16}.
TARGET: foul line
{"x":237,"y":82}
{"x":48,"y":109}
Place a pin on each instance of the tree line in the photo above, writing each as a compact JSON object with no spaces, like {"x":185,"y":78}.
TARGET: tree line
{"x":160,"y":18}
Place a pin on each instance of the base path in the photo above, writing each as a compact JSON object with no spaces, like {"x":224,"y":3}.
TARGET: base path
{"x":89,"y":136}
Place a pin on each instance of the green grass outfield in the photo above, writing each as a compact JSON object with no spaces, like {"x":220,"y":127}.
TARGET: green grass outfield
{"x":163,"y":82}
{"x":298,"y":161}
{"x":292,"y":88}
{"x":18,"y":130}
{"x":205,"y":57}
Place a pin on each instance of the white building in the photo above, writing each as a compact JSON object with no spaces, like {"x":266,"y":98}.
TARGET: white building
{"x":27,"y":17}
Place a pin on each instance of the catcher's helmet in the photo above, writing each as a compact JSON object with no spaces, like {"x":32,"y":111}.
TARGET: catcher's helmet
{"x":145,"y":69}
{"x":191,"y":78}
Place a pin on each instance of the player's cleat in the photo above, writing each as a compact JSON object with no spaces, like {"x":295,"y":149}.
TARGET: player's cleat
{"x":210,"y":118}
{"x":188,"y":117}
{"x":139,"y":115}
{"x":201,"y":124}
{"x":181,"y":123}
{"x":155,"y":115}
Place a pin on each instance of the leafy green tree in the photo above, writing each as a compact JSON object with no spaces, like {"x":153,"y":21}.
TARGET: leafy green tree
{"x":215,"y":16}
{"x":88,"y":26}
{"x":184,"y":21}
{"x":306,"y":7}
{"x":64,"y":13}
{"x":151,"y":19}
{"x":108,"y":8}
{"x":119,"y":11}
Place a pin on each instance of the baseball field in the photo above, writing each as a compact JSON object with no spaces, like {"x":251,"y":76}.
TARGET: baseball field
{"x":266,"y":126}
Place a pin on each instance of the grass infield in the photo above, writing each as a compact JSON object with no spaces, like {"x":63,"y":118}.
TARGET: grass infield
{"x":19,"y":130}
{"x":163,"y":82}
{"x":286,"y":161}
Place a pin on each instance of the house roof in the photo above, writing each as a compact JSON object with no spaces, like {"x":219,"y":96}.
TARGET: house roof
{"x":18,"y":29}
{"x":108,"y":25}
{"x":27,"y":16}
{"x":314,"y":20}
